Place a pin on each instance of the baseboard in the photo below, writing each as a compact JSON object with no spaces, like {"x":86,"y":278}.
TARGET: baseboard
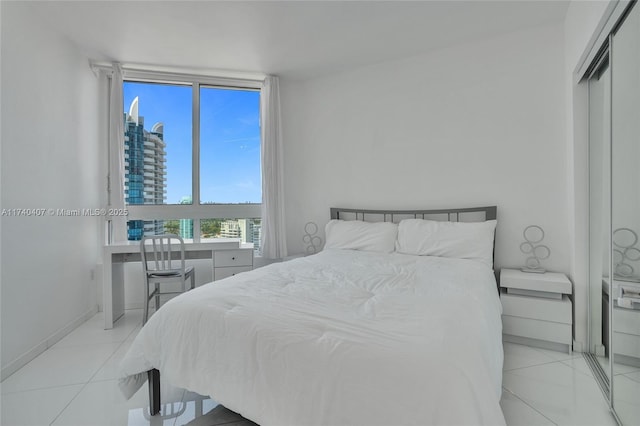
{"x":134,"y":305}
{"x":626,"y":360}
{"x":542,"y":344}
{"x":31,"y":354}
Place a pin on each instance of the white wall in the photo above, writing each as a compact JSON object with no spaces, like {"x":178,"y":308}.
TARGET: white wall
{"x":581,"y":22}
{"x":477,"y":124}
{"x":50,"y":159}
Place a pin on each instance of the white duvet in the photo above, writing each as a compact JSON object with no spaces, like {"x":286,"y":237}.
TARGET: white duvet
{"x":339,"y":338}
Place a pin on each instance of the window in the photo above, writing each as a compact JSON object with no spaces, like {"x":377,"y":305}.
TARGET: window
{"x":157,"y":143}
{"x":192,"y":158}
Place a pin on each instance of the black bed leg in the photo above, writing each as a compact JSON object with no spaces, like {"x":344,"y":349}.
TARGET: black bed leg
{"x":154,"y":391}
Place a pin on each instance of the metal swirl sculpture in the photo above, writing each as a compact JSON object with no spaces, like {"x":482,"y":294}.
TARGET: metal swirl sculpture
{"x":536,"y":252}
{"x":624,"y":252}
{"x":312,"y":241}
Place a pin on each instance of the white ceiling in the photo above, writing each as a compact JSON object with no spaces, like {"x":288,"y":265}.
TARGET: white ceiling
{"x":299,"y":39}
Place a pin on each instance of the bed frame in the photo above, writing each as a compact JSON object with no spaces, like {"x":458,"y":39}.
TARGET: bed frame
{"x":470,"y":214}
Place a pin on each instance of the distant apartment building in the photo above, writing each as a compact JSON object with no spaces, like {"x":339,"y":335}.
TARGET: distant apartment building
{"x":145,"y":170}
{"x":230,"y":229}
{"x":247,"y":230}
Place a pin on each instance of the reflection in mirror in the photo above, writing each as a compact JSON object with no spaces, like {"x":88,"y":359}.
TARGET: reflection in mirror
{"x":625,"y":211}
{"x":599,"y":219}
{"x":625,"y":253}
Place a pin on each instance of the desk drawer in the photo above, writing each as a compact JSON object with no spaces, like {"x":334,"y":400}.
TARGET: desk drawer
{"x":229,"y":271}
{"x":242,"y":257}
{"x":555,"y":310}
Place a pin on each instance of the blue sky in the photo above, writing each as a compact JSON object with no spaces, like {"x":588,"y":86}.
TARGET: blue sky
{"x":229,"y":139}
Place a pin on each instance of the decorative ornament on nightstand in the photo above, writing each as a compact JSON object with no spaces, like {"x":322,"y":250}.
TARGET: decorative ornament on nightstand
{"x":311,"y":240}
{"x":624,"y":240}
{"x":533,"y":235}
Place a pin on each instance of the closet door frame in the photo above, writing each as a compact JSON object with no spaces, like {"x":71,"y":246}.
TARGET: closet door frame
{"x":602,"y":44}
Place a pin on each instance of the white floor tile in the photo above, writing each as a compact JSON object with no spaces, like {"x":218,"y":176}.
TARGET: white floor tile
{"x":561,"y":393}
{"x":520,"y":356}
{"x":634,"y":376}
{"x":626,"y":399}
{"x":60,"y":367}
{"x":102,"y":403}
{"x":36,"y":407}
{"x":93,"y":332}
{"x":111,"y":369}
{"x":517,"y":413}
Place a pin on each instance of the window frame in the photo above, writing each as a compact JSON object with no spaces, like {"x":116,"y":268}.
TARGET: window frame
{"x":195,"y":211}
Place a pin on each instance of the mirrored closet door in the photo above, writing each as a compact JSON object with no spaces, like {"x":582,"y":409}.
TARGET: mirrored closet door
{"x":625,"y":218}
{"x":614,"y":216}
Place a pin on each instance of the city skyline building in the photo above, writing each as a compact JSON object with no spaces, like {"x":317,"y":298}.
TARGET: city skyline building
{"x":186,"y":225}
{"x":247,"y":230}
{"x":145,"y":170}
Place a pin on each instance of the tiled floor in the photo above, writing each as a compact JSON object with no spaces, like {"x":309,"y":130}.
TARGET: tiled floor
{"x":74,"y":383}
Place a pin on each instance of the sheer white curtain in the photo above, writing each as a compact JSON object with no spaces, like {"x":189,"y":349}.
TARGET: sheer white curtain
{"x":274,"y":242}
{"x":116,"y":155}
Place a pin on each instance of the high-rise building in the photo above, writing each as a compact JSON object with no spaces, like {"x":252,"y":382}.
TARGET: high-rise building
{"x":145,"y":170}
{"x":256,"y":233}
{"x":186,"y":225}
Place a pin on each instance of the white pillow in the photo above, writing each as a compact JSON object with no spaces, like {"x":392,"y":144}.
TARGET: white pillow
{"x":359,"y":235}
{"x":462,"y":240}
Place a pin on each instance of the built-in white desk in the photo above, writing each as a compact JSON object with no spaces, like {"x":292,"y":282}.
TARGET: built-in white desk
{"x":232,"y":257}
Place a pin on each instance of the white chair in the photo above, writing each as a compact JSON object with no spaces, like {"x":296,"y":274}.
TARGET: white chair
{"x":161,"y":265}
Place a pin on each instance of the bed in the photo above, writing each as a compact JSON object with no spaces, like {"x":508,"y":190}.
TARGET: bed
{"x":376,"y":329}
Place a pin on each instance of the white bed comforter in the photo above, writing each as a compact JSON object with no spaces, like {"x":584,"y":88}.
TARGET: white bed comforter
{"x":338,"y":338}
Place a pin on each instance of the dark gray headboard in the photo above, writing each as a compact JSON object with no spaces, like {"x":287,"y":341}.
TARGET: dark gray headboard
{"x":468,"y":214}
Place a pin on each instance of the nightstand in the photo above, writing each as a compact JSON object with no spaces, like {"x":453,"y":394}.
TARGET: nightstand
{"x":537,"y":309}
{"x":626,"y":324}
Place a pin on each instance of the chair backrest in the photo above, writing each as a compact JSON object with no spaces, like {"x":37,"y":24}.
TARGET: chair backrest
{"x":158,"y":250}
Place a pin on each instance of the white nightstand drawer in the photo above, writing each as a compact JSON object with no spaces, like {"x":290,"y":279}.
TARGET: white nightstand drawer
{"x":551,"y":282}
{"x":229,"y":271}
{"x":626,"y":344}
{"x":234,"y":258}
{"x":555,"y":310}
{"x":537,"y":329}
{"x":626,"y":321}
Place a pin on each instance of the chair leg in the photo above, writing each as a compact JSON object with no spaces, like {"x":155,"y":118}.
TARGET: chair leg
{"x":157,"y":296}
{"x":145,"y":316}
{"x":153,"y":377}
{"x":193,"y":280}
